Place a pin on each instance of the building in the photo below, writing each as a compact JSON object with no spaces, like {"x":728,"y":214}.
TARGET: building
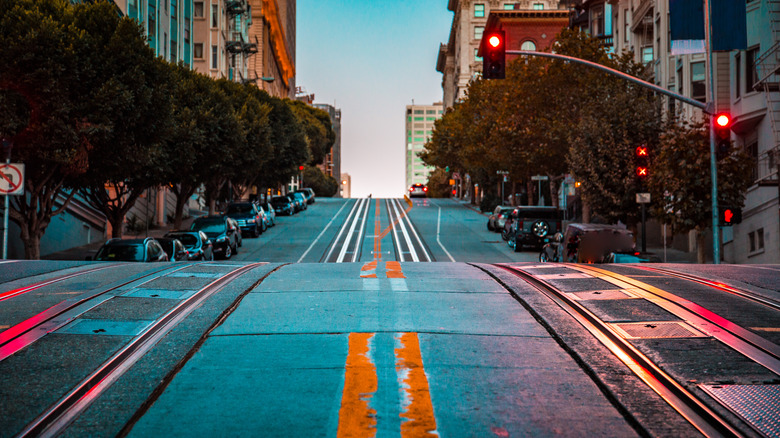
{"x":273,"y":32}
{"x":221,"y":46}
{"x":419,"y":126}
{"x":332,"y":164}
{"x":168,"y":25}
{"x":459,"y":60}
{"x":346,"y":186}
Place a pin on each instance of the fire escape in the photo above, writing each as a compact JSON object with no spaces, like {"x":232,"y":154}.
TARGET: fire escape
{"x":768,"y":73}
{"x":238,"y":45}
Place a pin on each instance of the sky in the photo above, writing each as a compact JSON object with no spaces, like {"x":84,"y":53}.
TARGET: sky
{"x":371,"y":58}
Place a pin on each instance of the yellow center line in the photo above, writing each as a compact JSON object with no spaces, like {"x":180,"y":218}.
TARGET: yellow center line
{"x":356,"y":417}
{"x":393,"y":270}
{"x":417,"y":419}
{"x":397,"y":220}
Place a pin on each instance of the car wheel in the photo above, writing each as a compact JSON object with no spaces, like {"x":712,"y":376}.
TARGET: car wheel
{"x":543,"y":257}
{"x":256,"y":232}
{"x":489,"y":227}
{"x":518,"y":246}
{"x":228,"y":252}
{"x":540,"y":228}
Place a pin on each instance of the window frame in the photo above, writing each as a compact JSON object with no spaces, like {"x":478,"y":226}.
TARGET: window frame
{"x":480,"y":30}
{"x":700,"y":84}
{"x":477,"y":10}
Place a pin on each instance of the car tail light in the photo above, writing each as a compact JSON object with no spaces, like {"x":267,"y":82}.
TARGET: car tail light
{"x":425,"y":189}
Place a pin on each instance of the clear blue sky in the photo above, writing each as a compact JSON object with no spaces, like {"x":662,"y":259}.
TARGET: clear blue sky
{"x":371,"y":58}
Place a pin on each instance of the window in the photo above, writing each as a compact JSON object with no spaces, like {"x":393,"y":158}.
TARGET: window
{"x":698,"y":84}
{"x":197,"y":50}
{"x":132,"y":8}
{"x":751,"y":75}
{"x":430,"y":112}
{"x":738,"y":76}
{"x":752,"y":151}
{"x":419,"y":119}
{"x":479,"y":10}
{"x":419,"y":111}
{"x":679,"y":79}
{"x":214,"y":15}
{"x":476,"y":56}
{"x":186,"y":31}
{"x":597,"y":20}
{"x":173,"y":9}
{"x":626,"y":26}
{"x":214,"y":57}
{"x":528,"y":45}
{"x":538,"y":6}
{"x":165,"y":45}
{"x":152,"y":21}
{"x":756,"y":240}
{"x":198,"y":9}
{"x":478,"y":30}
{"x":510,"y":6}
{"x":647,"y":54}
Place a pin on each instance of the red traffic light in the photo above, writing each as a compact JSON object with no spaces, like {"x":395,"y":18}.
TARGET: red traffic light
{"x":300,"y":167}
{"x":723,"y":120}
{"x":494,"y":41}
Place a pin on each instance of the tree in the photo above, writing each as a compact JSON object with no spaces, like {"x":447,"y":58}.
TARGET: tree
{"x":318,"y":129}
{"x":323,"y":185}
{"x":134,"y":102}
{"x":45,"y":78}
{"x":680,"y":182}
{"x":288,"y":140}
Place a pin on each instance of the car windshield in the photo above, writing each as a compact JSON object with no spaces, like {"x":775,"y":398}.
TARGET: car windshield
{"x":209,"y":226}
{"x":188,"y":240}
{"x":239,"y":209}
{"x":124,"y":253}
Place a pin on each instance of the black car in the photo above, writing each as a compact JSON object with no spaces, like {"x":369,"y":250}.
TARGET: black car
{"x":248,"y":217}
{"x":173,"y":248}
{"x":535,"y":226}
{"x":222,"y":233}
{"x":197,"y":244}
{"x":300,"y":199}
{"x":131,"y":250}
{"x":283,"y":206}
{"x":309,"y":193}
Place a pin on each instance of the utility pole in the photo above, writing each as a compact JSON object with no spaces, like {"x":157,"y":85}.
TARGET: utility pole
{"x":712,"y":110}
{"x":7,"y":146}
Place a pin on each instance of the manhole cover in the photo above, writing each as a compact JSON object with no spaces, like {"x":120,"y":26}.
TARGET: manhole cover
{"x":655,"y":330}
{"x":759,"y":405}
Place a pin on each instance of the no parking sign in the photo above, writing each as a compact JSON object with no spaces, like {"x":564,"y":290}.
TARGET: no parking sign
{"x":12,"y":179}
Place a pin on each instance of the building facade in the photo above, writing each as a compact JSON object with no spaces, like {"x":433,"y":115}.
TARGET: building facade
{"x":346,"y":186}
{"x":273,"y":32}
{"x":332,"y":164}
{"x":168,"y":25}
{"x":419,"y":126}
{"x":459,"y":60}
{"x":221,"y":47}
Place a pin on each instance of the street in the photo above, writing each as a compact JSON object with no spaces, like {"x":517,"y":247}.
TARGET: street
{"x":482,"y":342}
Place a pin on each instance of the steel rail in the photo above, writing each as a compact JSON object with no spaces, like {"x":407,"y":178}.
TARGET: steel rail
{"x":393,"y":220}
{"x":348,"y":237}
{"x":29,"y":331}
{"x":757,"y":348}
{"x":752,"y":296}
{"x":412,"y":251}
{"x":696,"y":412}
{"x":341,"y":231}
{"x":359,"y":242}
{"x":61,"y":414}
{"x":23,"y":290}
{"x":419,"y":240}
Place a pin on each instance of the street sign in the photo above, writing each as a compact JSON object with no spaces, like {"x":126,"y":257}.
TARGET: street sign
{"x":12,"y":179}
{"x":502,"y":172}
{"x":643,"y":198}
{"x":540,"y":178}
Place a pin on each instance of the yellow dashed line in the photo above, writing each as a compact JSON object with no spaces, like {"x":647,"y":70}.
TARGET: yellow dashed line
{"x":417,"y":418}
{"x":356,"y":417}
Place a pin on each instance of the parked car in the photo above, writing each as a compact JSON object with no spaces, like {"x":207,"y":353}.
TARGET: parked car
{"x":508,"y":231}
{"x":270,"y":214}
{"x":594,"y":243}
{"x":131,"y":250}
{"x":283,"y":205}
{"x":497,"y":220}
{"x":248,"y":216}
{"x":309,"y":194}
{"x":173,"y":248}
{"x":239,"y":235}
{"x":301,"y":200}
{"x":535,"y":226}
{"x":418,"y":190}
{"x":197,"y":244}
{"x":222,"y":232}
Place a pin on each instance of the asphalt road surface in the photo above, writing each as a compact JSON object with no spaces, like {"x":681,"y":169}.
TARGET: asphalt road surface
{"x":384,"y":318}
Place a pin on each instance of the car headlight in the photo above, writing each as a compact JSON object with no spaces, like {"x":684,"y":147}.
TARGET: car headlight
{"x":250,"y":221}
{"x":221,"y":239}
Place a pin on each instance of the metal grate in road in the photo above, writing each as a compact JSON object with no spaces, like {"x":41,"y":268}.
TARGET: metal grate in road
{"x":610,"y":294}
{"x":758,"y":405}
{"x":657,"y":330}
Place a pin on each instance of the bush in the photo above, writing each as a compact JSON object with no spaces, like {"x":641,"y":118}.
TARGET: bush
{"x":489,"y":202}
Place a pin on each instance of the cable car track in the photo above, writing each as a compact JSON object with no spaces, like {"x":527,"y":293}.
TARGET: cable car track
{"x":700,"y":413}
{"x":54,"y":420}
{"x":23,"y":290}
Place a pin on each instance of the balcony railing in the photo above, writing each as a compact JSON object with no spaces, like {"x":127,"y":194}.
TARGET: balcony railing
{"x":236,"y":7}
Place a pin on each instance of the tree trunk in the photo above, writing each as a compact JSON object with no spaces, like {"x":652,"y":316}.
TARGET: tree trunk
{"x":514,"y":193}
{"x":529,"y":185}
{"x":32,"y":246}
{"x":117,"y":221}
{"x":585,"y":210}
{"x":553,"y":192}
{"x":183,"y":194}
{"x":700,"y":255}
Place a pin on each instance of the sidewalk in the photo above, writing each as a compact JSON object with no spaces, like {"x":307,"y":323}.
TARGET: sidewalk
{"x":89,"y":250}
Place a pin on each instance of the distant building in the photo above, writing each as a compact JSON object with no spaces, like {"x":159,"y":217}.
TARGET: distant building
{"x":332,"y":164}
{"x":459,"y":59}
{"x":419,"y":126}
{"x":168,"y":25}
{"x":346,"y":186}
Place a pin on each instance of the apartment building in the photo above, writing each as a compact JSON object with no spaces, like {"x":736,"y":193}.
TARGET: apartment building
{"x":459,"y":60}
{"x":168,"y":25}
{"x":419,"y":126}
{"x":221,"y":46}
{"x":332,"y":164}
{"x":273,"y":32}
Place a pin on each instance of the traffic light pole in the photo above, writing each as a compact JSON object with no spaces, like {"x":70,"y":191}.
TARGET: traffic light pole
{"x":713,"y":163}
{"x":707,"y":109}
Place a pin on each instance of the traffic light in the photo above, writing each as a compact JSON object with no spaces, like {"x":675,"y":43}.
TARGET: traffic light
{"x":494,"y":55}
{"x":722,"y":135}
{"x":730,"y":216}
{"x":642,"y":162}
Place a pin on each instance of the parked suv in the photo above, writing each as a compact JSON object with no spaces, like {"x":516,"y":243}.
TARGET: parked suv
{"x":221,"y":231}
{"x":249,"y":217}
{"x":535,"y":226}
{"x":131,"y":250}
